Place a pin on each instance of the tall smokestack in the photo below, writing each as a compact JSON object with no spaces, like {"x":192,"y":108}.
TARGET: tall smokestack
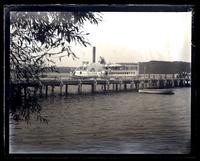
{"x":94,"y":54}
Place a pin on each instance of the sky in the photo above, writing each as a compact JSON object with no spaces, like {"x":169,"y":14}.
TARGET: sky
{"x":136,"y":37}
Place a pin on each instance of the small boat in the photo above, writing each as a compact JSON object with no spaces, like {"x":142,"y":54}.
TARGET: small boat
{"x":156,"y":91}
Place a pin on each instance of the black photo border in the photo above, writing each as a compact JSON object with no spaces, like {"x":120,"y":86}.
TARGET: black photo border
{"x":8,"y":7}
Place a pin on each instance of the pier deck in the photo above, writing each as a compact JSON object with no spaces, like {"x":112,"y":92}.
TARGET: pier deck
{"x":117,"y":84}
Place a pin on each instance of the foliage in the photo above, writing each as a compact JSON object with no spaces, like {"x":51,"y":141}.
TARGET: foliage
{"x":23,"y":109}
{"x":35,"y":35}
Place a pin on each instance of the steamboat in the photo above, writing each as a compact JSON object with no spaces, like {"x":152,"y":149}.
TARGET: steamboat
{"x":104,"y":70}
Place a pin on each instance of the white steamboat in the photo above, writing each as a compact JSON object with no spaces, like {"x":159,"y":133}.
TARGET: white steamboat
{"x":103,"y":70}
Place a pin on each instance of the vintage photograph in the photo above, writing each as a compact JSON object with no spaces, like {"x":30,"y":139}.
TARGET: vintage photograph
{"x":85,"y":82}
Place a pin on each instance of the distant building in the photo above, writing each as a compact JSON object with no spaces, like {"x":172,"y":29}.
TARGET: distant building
{"x":164,"y":67}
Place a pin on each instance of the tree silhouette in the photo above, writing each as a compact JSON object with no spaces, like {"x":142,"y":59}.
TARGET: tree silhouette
{"x":34,"y":36}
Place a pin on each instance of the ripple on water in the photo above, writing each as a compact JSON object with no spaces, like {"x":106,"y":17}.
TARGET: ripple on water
{"x":124,"y":122}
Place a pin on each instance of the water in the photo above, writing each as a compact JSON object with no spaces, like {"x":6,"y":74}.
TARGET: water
{"x":124,"y":122}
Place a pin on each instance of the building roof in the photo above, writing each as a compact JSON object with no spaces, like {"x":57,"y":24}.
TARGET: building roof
{"x":128,"y":63}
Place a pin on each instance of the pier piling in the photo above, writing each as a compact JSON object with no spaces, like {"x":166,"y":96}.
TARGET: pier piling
{"x":116,"y":86}
{"x":108,"y":86}
{"x":79,"y":88}
{"x":158,"y":83}
{"x":113,"y":87}
{"x":52,"y":89}
{"x":104,"y":87}
{"x":66,"y":89}
{"x":120,"y":86}
{"x":46,"y":92}
{"x":93,"y":87}
{"x":125,"y":86}
{"x":60,"y":90}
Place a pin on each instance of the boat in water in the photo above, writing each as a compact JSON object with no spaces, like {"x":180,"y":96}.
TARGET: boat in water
{"x":104,"y":70}
{"x":93,"y":70}
{"x":156,"y":91}
{"x":112,"y":70}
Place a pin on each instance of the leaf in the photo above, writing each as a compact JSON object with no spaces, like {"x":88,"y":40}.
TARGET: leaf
{"x":63,"y":49}
{"x":44,"y":31}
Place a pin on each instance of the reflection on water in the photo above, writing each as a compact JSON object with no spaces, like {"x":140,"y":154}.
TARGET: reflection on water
{"x":125,"y":122}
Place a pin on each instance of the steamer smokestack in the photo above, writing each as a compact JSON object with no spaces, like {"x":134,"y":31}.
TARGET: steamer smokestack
{"x":94,"y":54}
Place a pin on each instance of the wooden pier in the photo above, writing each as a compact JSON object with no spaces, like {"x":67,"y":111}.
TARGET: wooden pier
{"x":115,"y":85}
